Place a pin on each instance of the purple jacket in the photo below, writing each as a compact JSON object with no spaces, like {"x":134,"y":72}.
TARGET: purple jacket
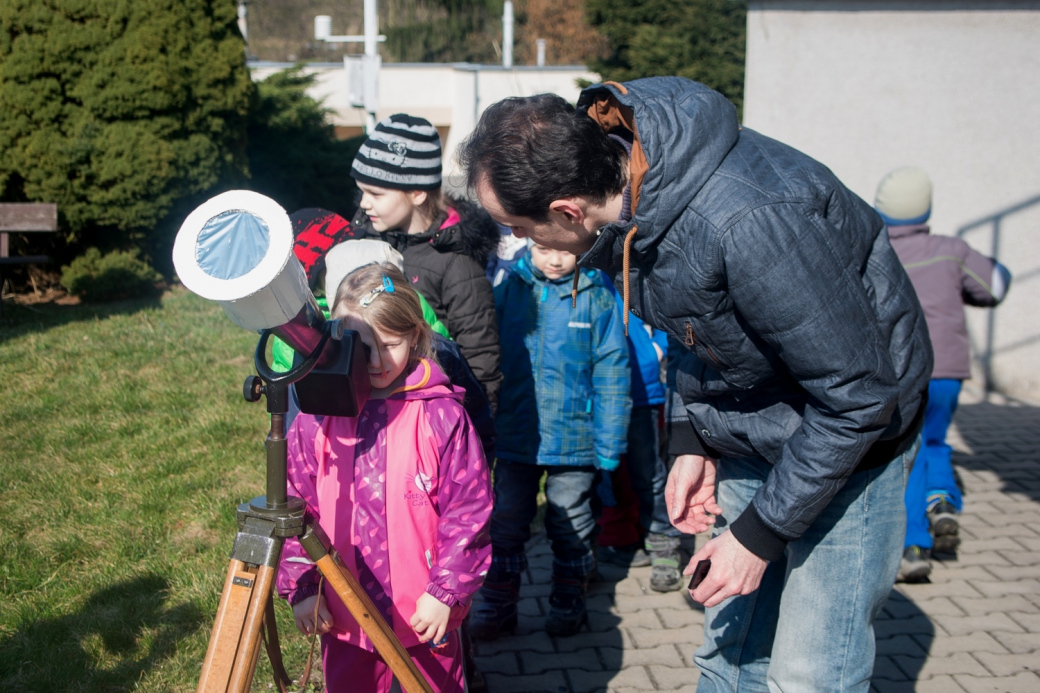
{"x":403,"y":493}
{"x":947,"y":274}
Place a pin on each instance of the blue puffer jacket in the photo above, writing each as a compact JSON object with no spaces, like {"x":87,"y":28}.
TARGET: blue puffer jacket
{"x":565,"y":389}
{"x":805,"y":344}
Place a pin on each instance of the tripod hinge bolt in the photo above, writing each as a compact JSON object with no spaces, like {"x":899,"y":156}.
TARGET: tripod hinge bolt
{"x":253,"y":388}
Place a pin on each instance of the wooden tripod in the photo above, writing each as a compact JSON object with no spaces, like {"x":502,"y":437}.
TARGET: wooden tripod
{"x":246,"y":601}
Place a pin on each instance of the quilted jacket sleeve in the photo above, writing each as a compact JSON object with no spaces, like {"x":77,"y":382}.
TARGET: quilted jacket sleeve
{"x":297,"y":575}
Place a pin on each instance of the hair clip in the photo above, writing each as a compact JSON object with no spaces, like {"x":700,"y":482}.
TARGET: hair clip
{"x":387,"y":287}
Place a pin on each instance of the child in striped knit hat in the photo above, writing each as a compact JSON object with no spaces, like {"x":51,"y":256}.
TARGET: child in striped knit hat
{"x":446,"y":243}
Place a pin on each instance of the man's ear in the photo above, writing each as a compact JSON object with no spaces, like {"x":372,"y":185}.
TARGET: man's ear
{"x":570,"y":208}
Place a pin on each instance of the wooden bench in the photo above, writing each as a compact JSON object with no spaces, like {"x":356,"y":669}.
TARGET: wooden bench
{"x":24,"y":217}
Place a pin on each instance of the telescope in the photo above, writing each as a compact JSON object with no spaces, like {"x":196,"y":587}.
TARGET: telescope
{"x":237,"y":249}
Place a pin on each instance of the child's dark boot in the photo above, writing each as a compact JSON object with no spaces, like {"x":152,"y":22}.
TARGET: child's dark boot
{"x":494,"y":608}
{"x":567,"y":612}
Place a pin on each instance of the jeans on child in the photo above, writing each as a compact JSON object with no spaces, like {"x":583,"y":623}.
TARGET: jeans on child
{"x":647,"y":472}
{"x":569,"y":515}
{"x":809,"y":626}
{"x":933,"y":468}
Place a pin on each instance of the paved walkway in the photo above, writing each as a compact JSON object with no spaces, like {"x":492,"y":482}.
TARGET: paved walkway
{"x":975,"y":627}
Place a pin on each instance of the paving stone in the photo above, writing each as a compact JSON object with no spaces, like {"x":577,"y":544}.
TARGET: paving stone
{"x":502,"y":663}
{"x":962,"y":625}
{"x":612,"y":638}
{"x":885,"y":668}
{"x":1019,"y":643}
{"x":975,"y":642}
{"x":1012,"y":603}
{"x":933,"y":607}
{"x":917,"y":624}
{"x":1029,"y":621}
{"x":587,"y":658}
{"x":918,"y":669}
{"x":1003,"y":530}
{"x":674,"y":679}
{"x":943,"y":572}
{"x":677,"y":618}
{"x":999,"y":589}
{"x":1026,"y":682}
{"x":997,"y":544}
{"x":538,"y":641}
{"x":938,"y":684}
{"x":551,"y":682}
{"x":1015,"y":572}
{"x":645,"y":618}
{"x":1008,"y":664}
{"x":666,"y":655}
{"x":900,"y":645}
{"x":1029,"y":558}
{"x":983,"y":558}
{"x":648,"y":637}
{"x":954,"y":588}
{"x":632,"y":677}
{"x":654,"y":600}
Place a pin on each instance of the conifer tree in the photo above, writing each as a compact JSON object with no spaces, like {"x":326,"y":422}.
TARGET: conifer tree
{"x":700,"y":39}
{"x":123,"y":112}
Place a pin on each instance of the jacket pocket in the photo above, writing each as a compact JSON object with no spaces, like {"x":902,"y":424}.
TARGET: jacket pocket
{"x":703,"y":350}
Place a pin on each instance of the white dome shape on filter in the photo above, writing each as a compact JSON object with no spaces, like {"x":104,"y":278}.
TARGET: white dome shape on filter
{"x":237,"y":249}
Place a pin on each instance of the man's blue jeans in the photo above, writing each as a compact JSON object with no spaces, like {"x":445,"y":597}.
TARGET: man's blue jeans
{"x":647,"y":472}
{"x":809,"y":626}
{"x":570,"y":515}
{"x":933,"y":468}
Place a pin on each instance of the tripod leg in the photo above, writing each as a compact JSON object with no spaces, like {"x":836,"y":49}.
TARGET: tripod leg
{"x":365,"y":613}
{"x":228,"y":628}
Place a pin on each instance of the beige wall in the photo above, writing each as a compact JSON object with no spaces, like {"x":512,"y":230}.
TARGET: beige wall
{"x":951,"y":86}
{"x":451,"y":96}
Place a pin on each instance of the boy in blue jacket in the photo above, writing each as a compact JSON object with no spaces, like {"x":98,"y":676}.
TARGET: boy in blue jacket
{"x":563,"y":412}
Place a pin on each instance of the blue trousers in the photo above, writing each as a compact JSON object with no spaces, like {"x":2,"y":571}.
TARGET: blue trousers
{"x":933,"y":468}
{"x":809,"y":625}
{"x":570,"y":515}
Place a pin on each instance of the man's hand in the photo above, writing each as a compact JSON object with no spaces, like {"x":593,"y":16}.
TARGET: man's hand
{"x":303,"y":612}
{"x":431,"y":618}
{"x":734,"y":570}
{"x":690,"y":493}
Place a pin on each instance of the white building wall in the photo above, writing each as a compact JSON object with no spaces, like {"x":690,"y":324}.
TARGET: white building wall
{"x":450,"y":95}
{"x":951,"y":86}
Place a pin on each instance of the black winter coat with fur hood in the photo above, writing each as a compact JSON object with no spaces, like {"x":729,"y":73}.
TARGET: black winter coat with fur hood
{"x":446,"y":264}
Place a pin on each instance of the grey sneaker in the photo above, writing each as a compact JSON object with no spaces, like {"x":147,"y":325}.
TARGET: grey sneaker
{"x":665,"y":573}
{"x":945,"y":529}
{"x":915,"y":566}
{"x":625,"y":556}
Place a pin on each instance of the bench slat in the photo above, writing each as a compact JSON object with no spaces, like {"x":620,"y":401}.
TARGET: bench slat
{"x":27,"y":217}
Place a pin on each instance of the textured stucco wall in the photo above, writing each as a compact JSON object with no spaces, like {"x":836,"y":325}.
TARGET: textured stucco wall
{"x":951,"y":86}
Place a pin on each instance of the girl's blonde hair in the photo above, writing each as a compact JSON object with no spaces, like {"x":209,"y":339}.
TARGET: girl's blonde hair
{"x":364,"y":293}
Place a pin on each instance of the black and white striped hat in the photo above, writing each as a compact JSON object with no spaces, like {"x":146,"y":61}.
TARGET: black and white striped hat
{"x":404,"y":153}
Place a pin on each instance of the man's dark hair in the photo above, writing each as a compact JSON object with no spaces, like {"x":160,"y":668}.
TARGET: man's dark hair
{"x":536,"y":149}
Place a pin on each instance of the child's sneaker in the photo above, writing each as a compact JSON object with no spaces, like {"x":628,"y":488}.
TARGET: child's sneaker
{"x":942,"y":517}
{"x":567,"y":612}
{"x":666,"y":574}
{"x":494,"y":608}
{"x":915,"y":566}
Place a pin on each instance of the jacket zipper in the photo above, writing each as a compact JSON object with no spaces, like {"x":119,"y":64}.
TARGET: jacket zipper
{"x":691,"y":340}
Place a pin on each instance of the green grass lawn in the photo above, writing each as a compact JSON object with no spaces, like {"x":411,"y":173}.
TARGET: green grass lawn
{"x":125,"y":447}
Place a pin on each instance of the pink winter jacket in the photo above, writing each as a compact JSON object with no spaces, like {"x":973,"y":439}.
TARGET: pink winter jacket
{"x":437,"y":502}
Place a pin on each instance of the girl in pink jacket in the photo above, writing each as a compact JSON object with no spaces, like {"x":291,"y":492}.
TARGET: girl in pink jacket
{"x":403,"y":492}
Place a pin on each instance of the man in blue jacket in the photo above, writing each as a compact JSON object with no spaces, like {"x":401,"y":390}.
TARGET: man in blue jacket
{"x":805,"y":364}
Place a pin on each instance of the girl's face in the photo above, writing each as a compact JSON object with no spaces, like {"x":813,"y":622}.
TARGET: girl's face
{"x":388,"y":355}
{"x":393,"y":209}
